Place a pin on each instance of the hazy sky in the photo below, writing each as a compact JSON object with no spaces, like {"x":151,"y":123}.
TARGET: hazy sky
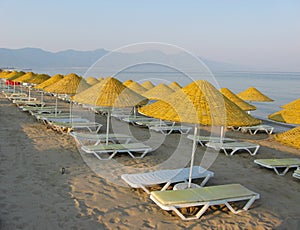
{"x":261,"y":33}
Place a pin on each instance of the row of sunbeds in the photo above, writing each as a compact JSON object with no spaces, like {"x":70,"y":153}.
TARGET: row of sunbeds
{"x":174,"y":200}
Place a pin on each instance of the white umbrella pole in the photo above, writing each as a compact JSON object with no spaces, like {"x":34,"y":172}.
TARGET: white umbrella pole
{"x":193,"y":155}
{"x":71,"y":112}
{"x":29,"y":93}
{"x":134,"y":111}
{"x":222,"y":134}
{"x":107,"y":126}
{"x":56,"y":105}
{"x":42,"y":97}
{"x":15,"y":86}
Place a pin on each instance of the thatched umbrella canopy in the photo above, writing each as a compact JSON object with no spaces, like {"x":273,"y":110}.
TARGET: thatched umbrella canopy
{"x":291,"y":116}
{"x":292,"y":105}
{"x":158,"y":92}
{"x":291,"y":137}
{"x":148,"y":85}
{"x":175,"y":86}
{"x":70,"y":84}
{"x":11,"y":76}
{"x":91,"y":80}
{"x":25,"y":77}
{"x":127,"y":82}
{"x":109,"y":93}
{"x":253,"y":94}
{"x":100,"y":78}
{"x":39,"y":78}
{"x":241,"y":103}
{"x":3,"y":74}
{"x":50,"y":81}
{"x":14,"y":74}
{"x":136,"y":87}
{"x":199,"y":103}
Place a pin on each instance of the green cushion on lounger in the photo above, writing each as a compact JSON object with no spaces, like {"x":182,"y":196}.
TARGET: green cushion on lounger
{"x":279,"y":162}
{"x":205,"y":194}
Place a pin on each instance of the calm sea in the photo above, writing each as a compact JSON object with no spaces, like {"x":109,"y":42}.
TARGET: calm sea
{"x":282,"y":87}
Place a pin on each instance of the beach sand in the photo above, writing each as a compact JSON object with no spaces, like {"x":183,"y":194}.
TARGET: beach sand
{"x":35,"y":194}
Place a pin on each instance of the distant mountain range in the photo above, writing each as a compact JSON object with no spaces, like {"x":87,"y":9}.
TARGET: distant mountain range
{"x":33,"y":58}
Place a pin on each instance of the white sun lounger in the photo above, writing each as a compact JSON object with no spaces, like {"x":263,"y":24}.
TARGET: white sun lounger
{"x":166,"y":129}
{"x":134,"y":120}
{"x":14,"y":96}
{"x":204,"y":139}
{"x":19,"y":100}
{"x":63,"y":127}
{"x":154,"y":123}
{"x":254,"y":129}
{"x":40,"y":115}
{"x":21,"y":104}
{"x":283,"y":165}
{"x":99,"y":150}
{"x":230,"y":148}
{"x":174,"y":200}
{"x":166,"y":177}
{"x":296,"y":173}
{"x":82,"y":138}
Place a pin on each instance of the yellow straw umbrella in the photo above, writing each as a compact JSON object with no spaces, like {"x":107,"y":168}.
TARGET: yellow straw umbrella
{"x":253,"y":94}
{"x":290,"y":137}
{"x":158,"y":92}
{"x":109,"y":93}
{"x":39,"y":78}
{"x":70,"y":85}
{"x":292,"y":105}
{"x":291,"y":116}
{"x":136,"y":87}
{"x":241,"y":103}
{"x":91,"y":80}
{"x":50,"y":81}
{"x":14,"y":74}
{"x":148,"y":85}
{"x":26,"y":79}
{"x":199,"y":103}
{"x":127,"y":82}
{"x":3,"y":74}
{"x":175,"y":86}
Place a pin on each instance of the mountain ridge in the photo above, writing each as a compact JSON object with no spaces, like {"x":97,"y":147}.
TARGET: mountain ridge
{"x":31,"y":58}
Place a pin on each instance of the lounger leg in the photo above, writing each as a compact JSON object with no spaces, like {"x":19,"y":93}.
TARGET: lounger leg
{"x":205,"y":180}
{"x":200,"y":142}
{"x":143,"y":154}
{"x":255,"y":151}
{"x":145,"y":189}
{"x":101,"y":158}
{"x":166,"y":132}
{"x":98,"y":128}
{"x":282,"y":173}
{"x":197,"y":216}
{"x":165,"y":186}
{"x":245,"y":208}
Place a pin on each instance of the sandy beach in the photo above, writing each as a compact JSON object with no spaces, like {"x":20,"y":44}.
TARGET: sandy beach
{"x":35,"y":194}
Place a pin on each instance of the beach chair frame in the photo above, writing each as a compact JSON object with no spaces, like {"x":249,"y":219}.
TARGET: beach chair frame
{"x":249,"y":199}
{"x":230,"y":148}
{"x":165,"y":177}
